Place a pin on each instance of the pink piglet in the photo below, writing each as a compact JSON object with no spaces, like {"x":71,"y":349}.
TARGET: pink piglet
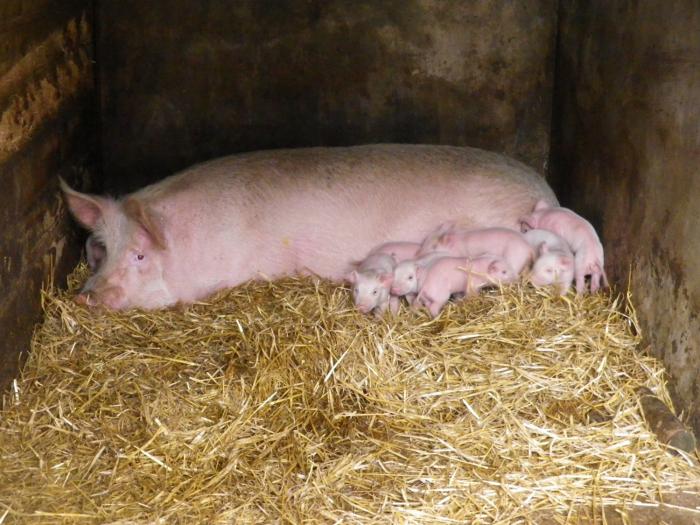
{"x":581,"y":238}
{"x":451,"y":275}
{"x":371,"y":282}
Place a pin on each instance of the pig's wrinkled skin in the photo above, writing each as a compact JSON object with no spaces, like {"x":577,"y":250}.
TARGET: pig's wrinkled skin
{"x":581,"y":238}
{"x":400,"y":251}
{"x":272,"y":213}
{"x":409,"y":274}
{"x":460,"y":242}
{"x":555,"y":261}
{"x":451,"y":275}
{"x":371,"y":282}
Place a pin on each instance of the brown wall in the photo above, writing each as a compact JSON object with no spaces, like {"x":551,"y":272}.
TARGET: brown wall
{"x":47,"y":128}
{"x":627,"y":149}
{"x":184,"y":81}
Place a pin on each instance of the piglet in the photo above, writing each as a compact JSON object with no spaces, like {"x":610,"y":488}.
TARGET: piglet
{"x":371,"y":282}
{"x":555,"y":261}
{"x":450,"y":275}
{"x":581,"y":237}
{"x":409,"y":275}
{"x":487,"y":270}
{"x":461,"y":242}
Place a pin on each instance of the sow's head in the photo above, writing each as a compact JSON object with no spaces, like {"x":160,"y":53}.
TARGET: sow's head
{"x":132,"y":244}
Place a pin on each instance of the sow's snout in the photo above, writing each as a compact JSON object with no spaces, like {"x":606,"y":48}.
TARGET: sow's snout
{"x":103,"y":294}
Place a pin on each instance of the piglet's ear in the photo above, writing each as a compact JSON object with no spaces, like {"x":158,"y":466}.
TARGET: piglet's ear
{"x":137,"y":211}
{"x":386,"y":278}
{"x":495,"y":267}
{"x":565,"y":261}
{"x":446,"y":226}
{"x":525,"y":224}
{"x":87,"y":209}
{"x":352,"y":277}
{"x":446,"y":239}
{"x":542,"y":248}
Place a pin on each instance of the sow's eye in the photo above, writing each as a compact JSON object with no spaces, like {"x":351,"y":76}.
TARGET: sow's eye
{"x":140,"y":256}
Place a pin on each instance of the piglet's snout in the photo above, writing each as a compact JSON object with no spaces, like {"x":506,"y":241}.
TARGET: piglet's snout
{"x":83,"y":298}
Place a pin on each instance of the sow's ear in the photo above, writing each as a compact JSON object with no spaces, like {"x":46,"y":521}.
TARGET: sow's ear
{"x":541,"y":205}
{"x":137,"y":211}
{"x":88,"y":210}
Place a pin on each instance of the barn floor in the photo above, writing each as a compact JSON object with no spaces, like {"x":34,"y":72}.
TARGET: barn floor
{"x":278,"y":403}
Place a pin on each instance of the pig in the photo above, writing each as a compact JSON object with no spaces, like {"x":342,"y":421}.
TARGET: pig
{"x":94,"y":252}
{"x":555,"y":261}
{"x":400,"y":251}
{"x":488,"y":270}
{"x":371,"y":282}
{"x":462,"y":242}
{"x":409,"y":274}
{"x":267,"y":214}
{"x":450,"y":275}
{"x":581,"y":238}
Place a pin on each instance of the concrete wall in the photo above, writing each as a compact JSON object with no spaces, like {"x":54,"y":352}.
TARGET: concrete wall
{"x":626,"y":148}
{"x":47,"y":128}
{"x":186,"y":81}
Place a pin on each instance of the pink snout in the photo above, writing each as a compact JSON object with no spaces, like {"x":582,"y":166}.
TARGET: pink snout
{"x":397,"y":290}
{"x":112,"y":297}
{"x":364,"y":308}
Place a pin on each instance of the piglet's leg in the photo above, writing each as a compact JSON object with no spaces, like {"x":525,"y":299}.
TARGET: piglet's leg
{"x":580,"y":283}
{"x":580,"y":275}
{"x":606,"y":284}
{"x":595,"y":280}
{"x":422,"y":301}
{"x":381,"y":308}
{"x":439,"y":302}
{"x":394,"y":304}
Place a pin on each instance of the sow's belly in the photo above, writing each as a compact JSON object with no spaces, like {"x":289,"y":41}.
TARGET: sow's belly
{"x":326,"y":240}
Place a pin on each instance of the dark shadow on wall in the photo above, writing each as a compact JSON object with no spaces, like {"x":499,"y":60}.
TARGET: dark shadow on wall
{"x":48,"y":127}
{"x":183,"y":82}
{"x":626,"y":152}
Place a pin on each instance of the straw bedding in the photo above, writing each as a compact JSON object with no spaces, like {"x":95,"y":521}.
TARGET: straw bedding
{"x":278,"y":403}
